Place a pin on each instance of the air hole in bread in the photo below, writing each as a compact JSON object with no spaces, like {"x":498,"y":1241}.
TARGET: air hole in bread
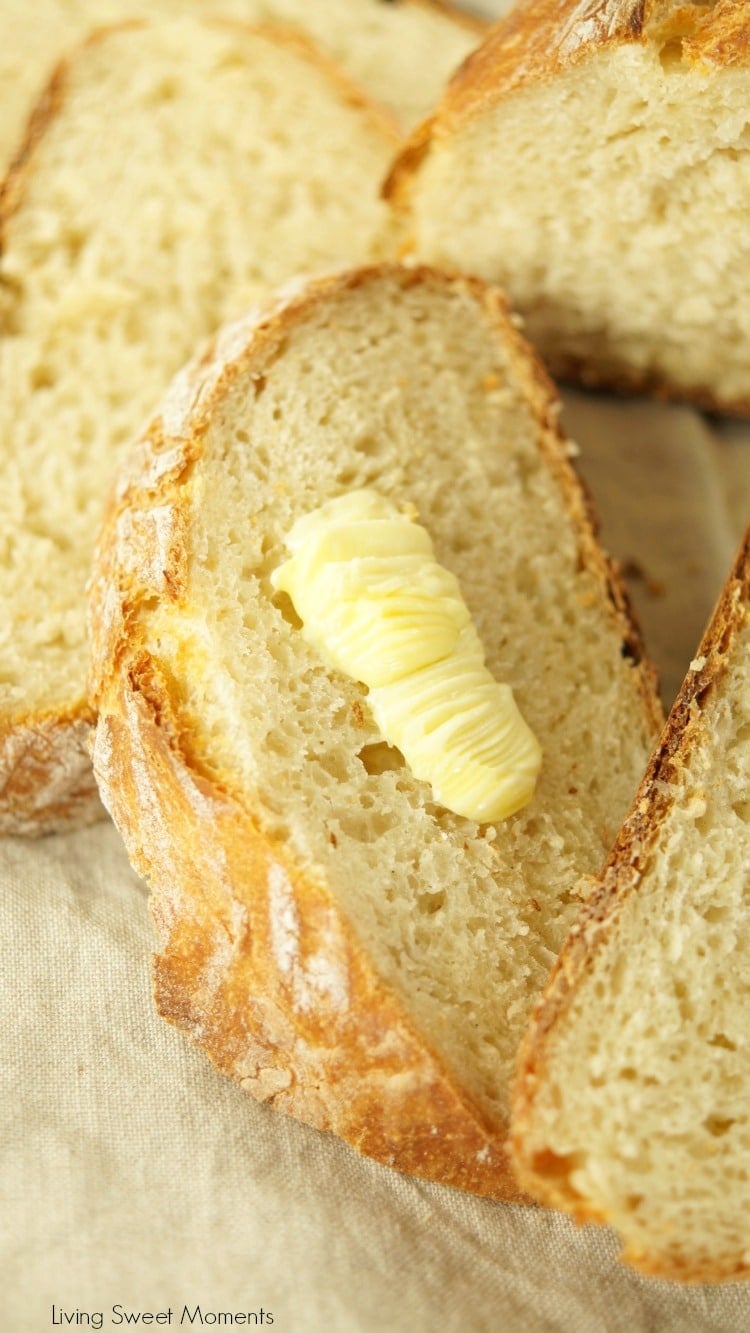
{"x":430,"y":903}
{"x":721,"y":1040}
{"x":706,"y":822}
{"x":717,"y":913}
{"x":718,"y":1125}
{"x":166,"y":90}
{"x":684,"y":1003}
{"x":73,"y":242}
{"x":364,"y":825}
{"x":283,"y":603}
{"x":369,"y":445}
{"x":740,"y":739}
{"x":558,"y":1165}
{"x":380,"y":758}
{"x":42,"y":377}
{"x":348,"y":478}
{"x":332,"y":764}
{"x":670,"y":56}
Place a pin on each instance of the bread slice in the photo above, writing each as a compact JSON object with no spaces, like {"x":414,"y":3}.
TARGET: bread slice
{"x":401,"y":53}
{"x":233,"y":158}
{"x":594,"y":159}
{"x":632,"y":1104}
{"x":331,"y":934}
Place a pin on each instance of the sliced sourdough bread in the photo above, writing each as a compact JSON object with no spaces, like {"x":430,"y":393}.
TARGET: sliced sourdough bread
{"x":330,"y":933}
{"x":232,"y":159}
{"x":402,"y":53}
{"x":632,"y":1104}
{"x":594,"y":160}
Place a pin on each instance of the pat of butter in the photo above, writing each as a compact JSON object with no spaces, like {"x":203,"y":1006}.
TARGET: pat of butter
{"x":363,"y":579}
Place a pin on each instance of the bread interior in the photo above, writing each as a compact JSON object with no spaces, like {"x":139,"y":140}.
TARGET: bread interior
{"x":402,"y":54}
{"x":643,"y":1107}
{"x":406,"y":386}
{"x":188,"y":168}
{"x":611,"y":200}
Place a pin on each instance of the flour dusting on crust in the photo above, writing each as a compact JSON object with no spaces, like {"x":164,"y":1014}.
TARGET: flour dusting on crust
{"x":594,"y":21}
{"x":283,"y":919}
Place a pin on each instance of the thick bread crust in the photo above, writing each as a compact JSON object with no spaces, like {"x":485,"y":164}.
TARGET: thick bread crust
{"x":545,"y":1175}
{"x":242,"y":930}
{"x":46,"y":781}
{"x":533,"y":43}
{"x":530,"y":44}
{"x":242,"y":934}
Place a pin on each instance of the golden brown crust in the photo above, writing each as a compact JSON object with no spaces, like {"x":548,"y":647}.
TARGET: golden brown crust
{"x":544,"y":1174}
{"x":532,"y":42}
{"x":536,"y":41}
{"x":238,"y":922}
{"x":722,"y":38}
{"x":46,"y":781}
{"x":241,"y":934}
{"x":539,"y":39}
{"x":577,"y":372}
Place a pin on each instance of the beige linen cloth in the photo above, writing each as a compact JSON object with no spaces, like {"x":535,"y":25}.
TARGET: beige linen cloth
{"x":136,"y":1181}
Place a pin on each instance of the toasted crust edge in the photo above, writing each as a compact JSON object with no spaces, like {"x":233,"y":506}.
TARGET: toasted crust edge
{"x":46,"y":781}
{"x":193,"y":837}
{"x":538,"y":39}
{"x":621,"y":876}
{"x":531,"y":44}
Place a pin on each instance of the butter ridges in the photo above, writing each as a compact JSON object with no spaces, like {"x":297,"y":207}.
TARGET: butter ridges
{"x":363,"y":579}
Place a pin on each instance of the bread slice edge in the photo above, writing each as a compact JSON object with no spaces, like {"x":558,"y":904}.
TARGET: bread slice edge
{"x":543,"y":1172}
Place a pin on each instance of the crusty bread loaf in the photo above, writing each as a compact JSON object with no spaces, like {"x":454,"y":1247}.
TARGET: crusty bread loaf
{"x":632,"y":1104}
{"x":401,"y":53}
{"x":232,"y":159}
{"x":331,"y":934}
{"x":594,"y":159}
